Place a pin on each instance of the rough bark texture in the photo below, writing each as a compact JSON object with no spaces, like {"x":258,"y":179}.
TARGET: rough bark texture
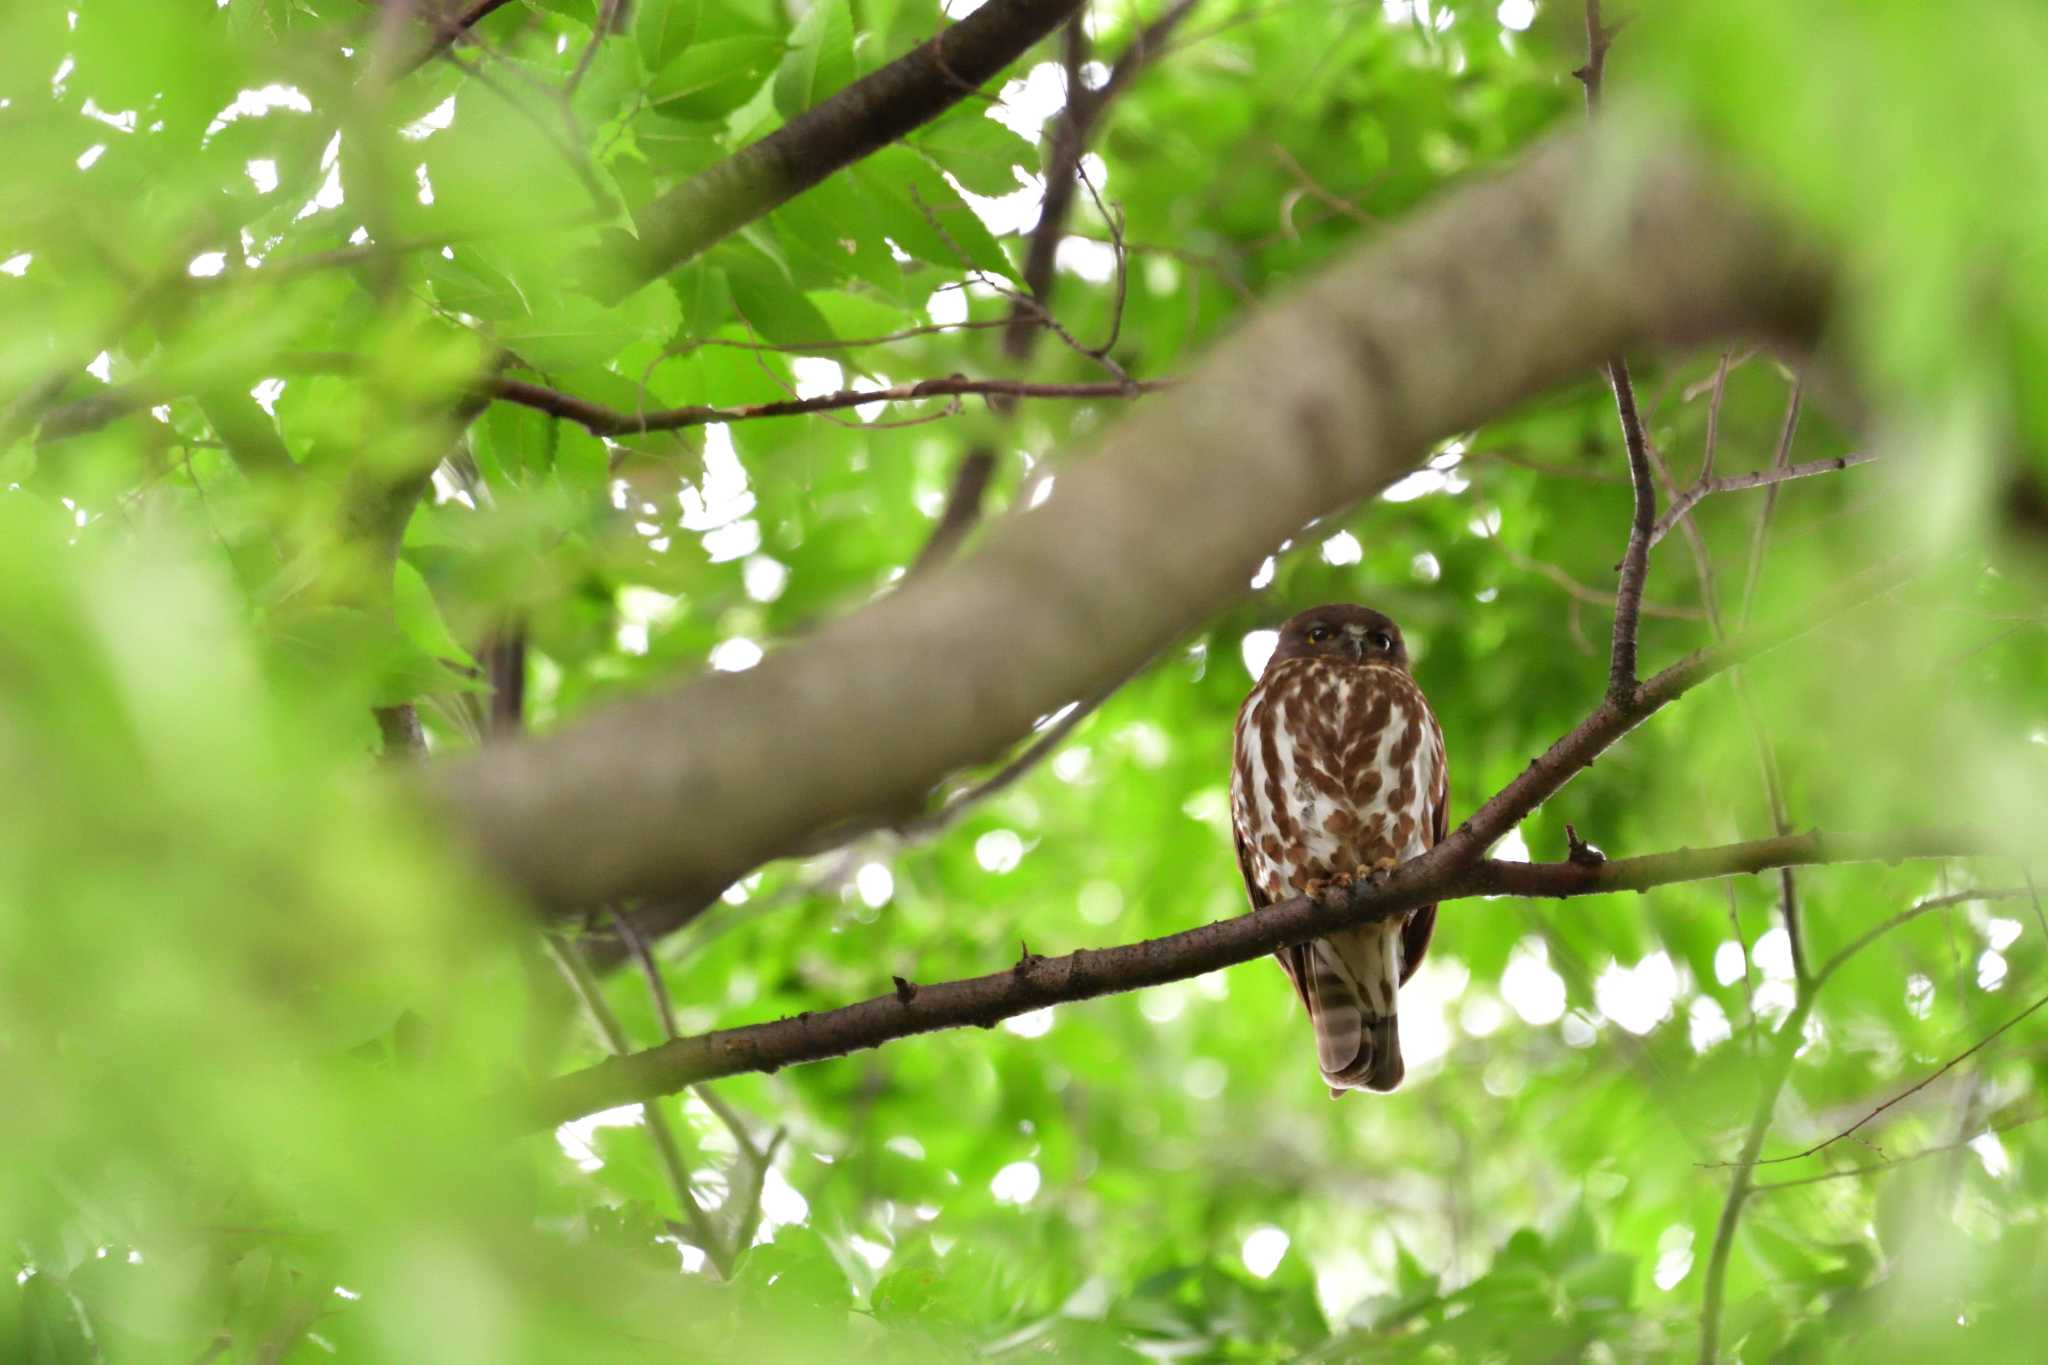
{"x":1507,"y":288}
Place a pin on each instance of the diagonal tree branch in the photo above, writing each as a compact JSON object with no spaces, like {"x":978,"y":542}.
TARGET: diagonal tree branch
{"x":859,"y":120}
{"x":603,"y":421}
{"x":1036,"y":982}
{"x":1508,"y":287}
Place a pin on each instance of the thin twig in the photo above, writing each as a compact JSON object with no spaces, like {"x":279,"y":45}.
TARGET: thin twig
{"x":448,"y":32}
{"x":1762,"y":478}
{"x":1067,"y":141}
{"x":1591,"y":596}
{"x":603,"y":421}
{"x":1316,"y":190}
{"x":926,"y":826}
{"x":1910,"y":1090}
{"x":591,"y":996}
{"x":607,"y":21}
{"x":1720,"y":392}
{"x":1872,"y":1168}
{"x":1787,"y":429}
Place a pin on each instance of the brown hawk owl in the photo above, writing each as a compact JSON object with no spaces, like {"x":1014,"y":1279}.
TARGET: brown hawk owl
{"x":1339,"y":771}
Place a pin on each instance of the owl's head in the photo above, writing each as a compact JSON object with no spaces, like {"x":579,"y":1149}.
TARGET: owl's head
{"x":1342,"y":631}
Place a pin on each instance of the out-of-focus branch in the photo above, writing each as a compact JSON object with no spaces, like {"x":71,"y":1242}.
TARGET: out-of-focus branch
{"x":1873,"y":1167}
{"x":450,"y":30}
{"x":591,"y":996}
{"x":404,"y":739}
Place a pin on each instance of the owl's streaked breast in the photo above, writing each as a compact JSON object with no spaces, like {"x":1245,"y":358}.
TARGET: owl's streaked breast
{"x":1337,"y":764}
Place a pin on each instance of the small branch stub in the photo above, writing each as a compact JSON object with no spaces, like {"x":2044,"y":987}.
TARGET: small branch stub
{"x":1579,"y":853}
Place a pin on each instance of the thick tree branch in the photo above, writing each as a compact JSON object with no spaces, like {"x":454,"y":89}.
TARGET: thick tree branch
{"x":1504,"y":290}
{"x":1036,"y":982}
{"x":856,"y":122}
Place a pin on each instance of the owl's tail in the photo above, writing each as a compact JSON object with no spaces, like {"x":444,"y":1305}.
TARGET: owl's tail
{"x":1349,"y":981}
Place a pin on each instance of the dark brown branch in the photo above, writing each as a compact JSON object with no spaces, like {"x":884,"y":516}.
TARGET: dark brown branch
{"x":404,"y":740}
{"x":1686,"y":501}
{"x":1035,"y":982}
{"x":603,"y":421}
{"x":1071,"y":130}
{"x":1635,"y":561}
{"x":1599,"y":38}
{"x":854,"y":123}
{"x":962,"y":510}
{"x":448,"y":32}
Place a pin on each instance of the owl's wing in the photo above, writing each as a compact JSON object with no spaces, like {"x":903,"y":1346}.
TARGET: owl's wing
{"x":1295,"y":957}
{"x":1415,"y":934}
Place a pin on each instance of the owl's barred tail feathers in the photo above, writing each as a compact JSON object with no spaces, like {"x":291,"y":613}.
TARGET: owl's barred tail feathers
{"x":1349,"y":983}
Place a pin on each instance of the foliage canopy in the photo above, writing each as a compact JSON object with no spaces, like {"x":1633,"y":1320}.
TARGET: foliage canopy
{"x":271,"y":273}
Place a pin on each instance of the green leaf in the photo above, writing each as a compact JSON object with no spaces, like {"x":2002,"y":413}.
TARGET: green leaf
{"x":765,"y":297}
{"x":979,"y":152}
{"x":819,"y":61}
{"x":710,"y":79}
{"x":419,"y":616}
{"x":915,"y":207}
{"x":664,"y":28}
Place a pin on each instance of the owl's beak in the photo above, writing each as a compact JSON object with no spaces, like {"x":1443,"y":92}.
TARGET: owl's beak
{"x":1354,"y":641}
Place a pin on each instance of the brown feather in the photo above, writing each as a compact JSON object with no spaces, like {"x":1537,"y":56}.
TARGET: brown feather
{"x":1338,"y":770}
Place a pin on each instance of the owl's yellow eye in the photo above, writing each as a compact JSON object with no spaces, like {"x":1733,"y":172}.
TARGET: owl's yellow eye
{"x":1318,"y":634}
